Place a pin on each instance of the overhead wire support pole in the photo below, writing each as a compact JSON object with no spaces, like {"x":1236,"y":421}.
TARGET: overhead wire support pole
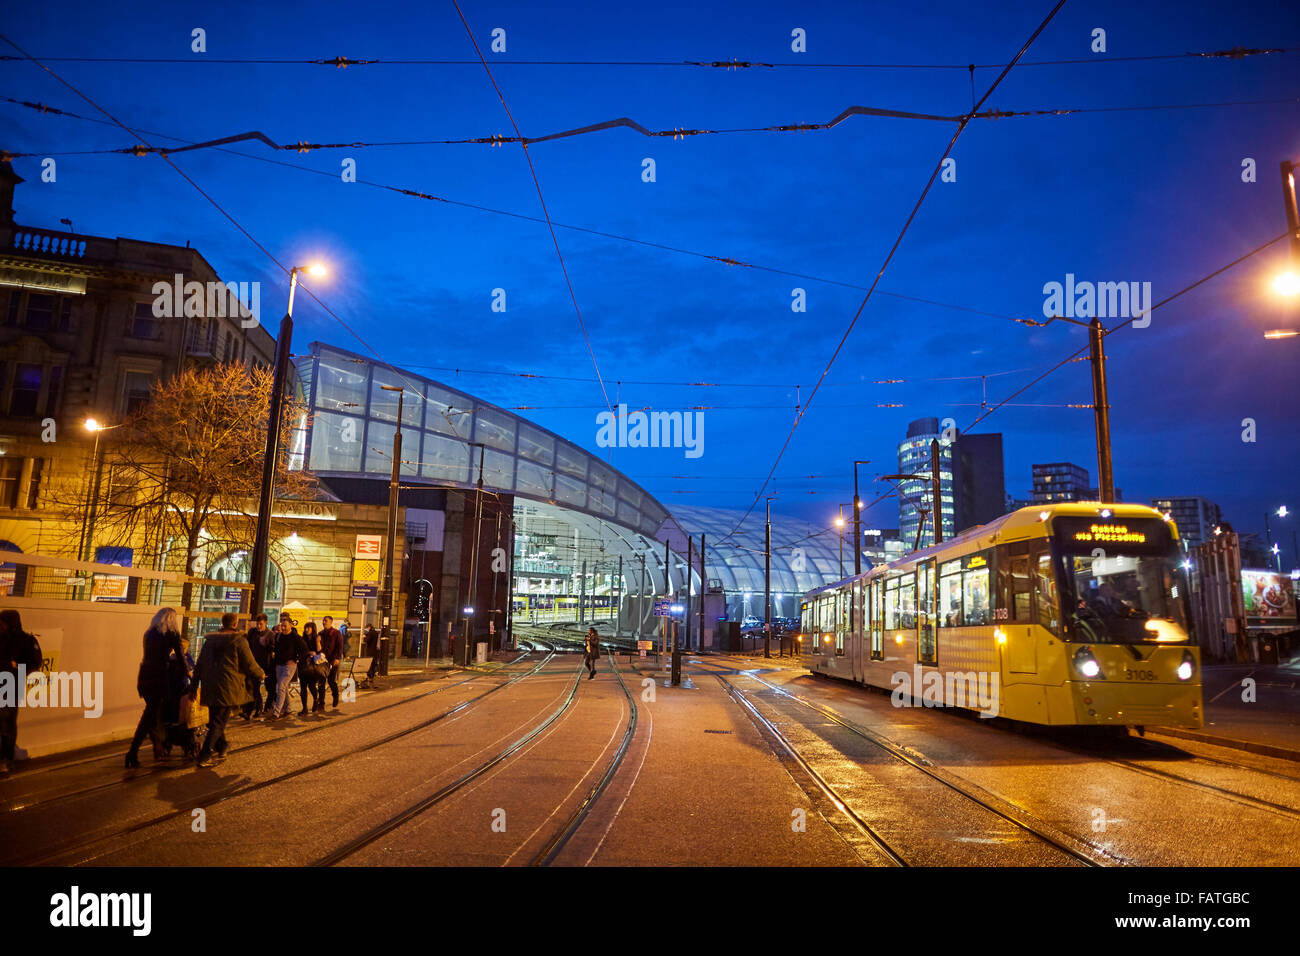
{"x":1101,"y":411}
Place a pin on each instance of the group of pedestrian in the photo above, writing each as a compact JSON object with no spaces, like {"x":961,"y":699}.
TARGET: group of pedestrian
{"x":312,"y":658}
{"x":229,"y":675}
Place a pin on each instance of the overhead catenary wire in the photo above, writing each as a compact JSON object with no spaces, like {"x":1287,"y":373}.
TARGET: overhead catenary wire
{"x":545,"y":212}
{"x":221,"y":209}
{"x":343,"y":62}
{"x":803,"y":410}
{"x":1073,"y":356}
{"x":306,"y":146}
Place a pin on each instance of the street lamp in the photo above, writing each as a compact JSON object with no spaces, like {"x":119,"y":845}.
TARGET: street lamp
{"x":85,"y":545}
{"x":266,"y":499}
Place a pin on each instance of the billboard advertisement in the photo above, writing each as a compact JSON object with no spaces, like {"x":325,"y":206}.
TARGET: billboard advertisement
{"x":1269,"y":597}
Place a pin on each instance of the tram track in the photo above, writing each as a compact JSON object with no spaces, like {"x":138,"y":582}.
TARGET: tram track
{"x":554,"y":846}
{"x":23,"y":803}
{"x":219,"y":797}
{"x":1079,"y":849}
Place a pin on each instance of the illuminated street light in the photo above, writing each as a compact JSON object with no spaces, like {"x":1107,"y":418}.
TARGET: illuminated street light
{"x":85,"y":546}
{"x":1281,"y":333}
{"x":1287,"y":283}
{"x":266,"y":497}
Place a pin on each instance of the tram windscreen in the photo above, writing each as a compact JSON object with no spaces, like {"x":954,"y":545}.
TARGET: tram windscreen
{"x":1123,"y":581}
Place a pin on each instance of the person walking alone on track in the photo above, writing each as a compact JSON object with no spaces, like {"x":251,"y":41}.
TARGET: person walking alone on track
{"x":161,"y":640}
{"x":224,"y":666}
{"x":593,"y":652}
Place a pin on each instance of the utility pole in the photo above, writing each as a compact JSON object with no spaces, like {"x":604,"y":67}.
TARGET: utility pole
{"x":704,"y":589}
{"x":936,"y":491}
{"x":466,"y":653}
{"x":1101,"y":410}
{"x":1292,"y":217}
{"x":690,"y":566}
{"x":386,"y":597}
{"x":767,"y":582}
{"x":857,"y":520}
{"x":671,"y":626}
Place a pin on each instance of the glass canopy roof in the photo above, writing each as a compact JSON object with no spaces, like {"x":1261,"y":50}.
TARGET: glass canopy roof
{"x":354,"y":418}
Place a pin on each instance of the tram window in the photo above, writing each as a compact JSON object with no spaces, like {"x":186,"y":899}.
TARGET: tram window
{"x":1045,"y":593}
{"x":950,"y":598}
{"x":927,"y":646}
{"x":891,"y":604}
{"x":844,"y":624}
{"x":975,"y":596}
{"x":877,"y":620}
{"x":1022,"y":588}
{"x":907,"y":603}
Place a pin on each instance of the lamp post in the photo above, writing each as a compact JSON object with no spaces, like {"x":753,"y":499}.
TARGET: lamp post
{"x":857,"y":520}
{"x":839,"y":524}
{"x":85,"y":546}
{"x":473,"y":558}
{"x":266,"y":499}
{"x":386,"y":596}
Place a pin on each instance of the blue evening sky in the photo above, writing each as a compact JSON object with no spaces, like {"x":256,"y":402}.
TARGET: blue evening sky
{"x":1140,"y":195}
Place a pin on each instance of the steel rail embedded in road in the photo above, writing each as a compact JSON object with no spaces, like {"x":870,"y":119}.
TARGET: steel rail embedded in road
{"x":359,"y":843}
{"x":218,"y":797}
{"x":21,"y":804}
{"x":557,"y":843}
{"x":840,"y":803}
{"x":1085,"y":852}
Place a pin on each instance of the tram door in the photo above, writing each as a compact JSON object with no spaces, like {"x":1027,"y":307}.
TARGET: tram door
{"x":857,"y":642}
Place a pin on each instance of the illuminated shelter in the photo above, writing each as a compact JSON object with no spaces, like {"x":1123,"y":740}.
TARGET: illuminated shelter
{"x":573,"y":515}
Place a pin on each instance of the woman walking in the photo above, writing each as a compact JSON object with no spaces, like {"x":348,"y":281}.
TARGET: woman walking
{"x":161,"y":640}
{"x":311,"y":671}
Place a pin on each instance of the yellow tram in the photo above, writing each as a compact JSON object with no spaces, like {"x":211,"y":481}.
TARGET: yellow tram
{"x":1066,"y":614}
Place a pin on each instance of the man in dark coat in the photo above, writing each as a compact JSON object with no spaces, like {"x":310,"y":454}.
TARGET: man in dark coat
{"x":224,"y":666}
{"x":17,"y":649}
{"x":331,"y":645}
{"x":259,"y":642}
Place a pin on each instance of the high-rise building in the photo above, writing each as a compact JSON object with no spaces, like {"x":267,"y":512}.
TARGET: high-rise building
{"x":971,"y":486}
{"x":1060,"y":481}
{"x":914,"y":495}
{"x":978,"y":482}
{"x":1196,"y":518}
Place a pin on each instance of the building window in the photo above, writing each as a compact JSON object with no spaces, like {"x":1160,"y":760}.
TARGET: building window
{"x":144,"y":324}
{"x":10,"y":471}
{"x":136,"y":390}
{"x":34,"y":488}
{"x":26,"y":392}
{"x":40,"y":312}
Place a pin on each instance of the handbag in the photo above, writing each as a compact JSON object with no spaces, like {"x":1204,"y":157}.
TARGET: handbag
{"x":192,"y":713}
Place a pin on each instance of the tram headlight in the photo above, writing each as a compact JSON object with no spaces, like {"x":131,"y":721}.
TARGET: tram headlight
{"x":1188,"y":667}
{"x":1086,"y":664}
